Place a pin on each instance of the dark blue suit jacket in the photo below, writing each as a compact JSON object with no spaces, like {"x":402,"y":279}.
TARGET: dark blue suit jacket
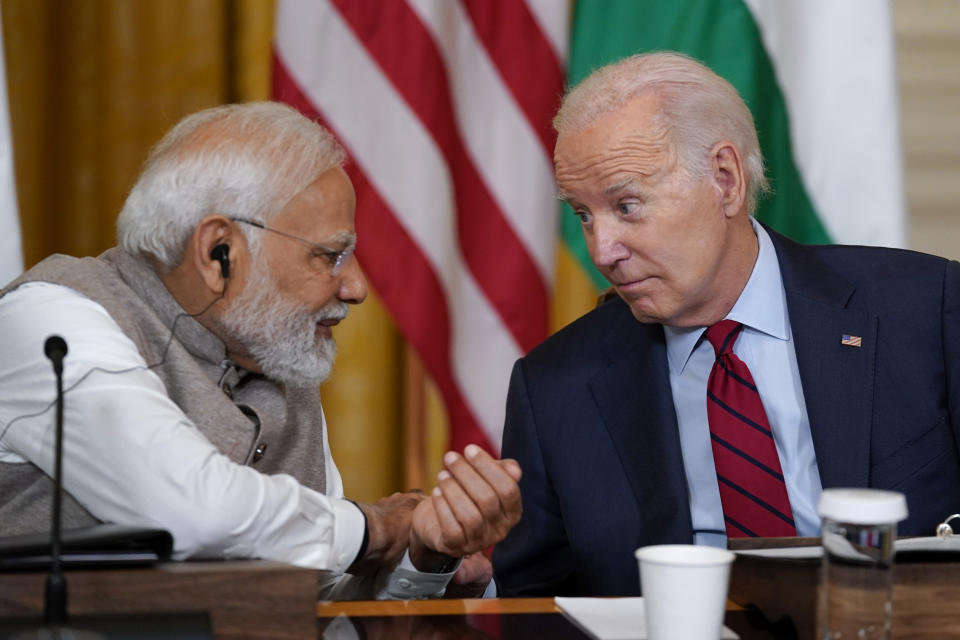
{"x":590,"y":416}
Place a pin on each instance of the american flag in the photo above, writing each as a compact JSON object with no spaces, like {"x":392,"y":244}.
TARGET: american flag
{"x":850,"y":341}
{"x":444,"y":107}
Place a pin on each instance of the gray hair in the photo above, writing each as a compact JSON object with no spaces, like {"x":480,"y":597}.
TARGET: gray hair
{"x":244,"y":160}
{"x":698,"y":108}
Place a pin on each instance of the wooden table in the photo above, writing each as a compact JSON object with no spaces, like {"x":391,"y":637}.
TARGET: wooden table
{"x":245,"y":599}
{"x":503,"y":619}
{"x":925,"y":594}
{"x":471,"y":619}
{"x":768,"y":599}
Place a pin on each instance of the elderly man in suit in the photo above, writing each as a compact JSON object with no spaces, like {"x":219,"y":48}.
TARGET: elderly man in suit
{"x":736,"y":374}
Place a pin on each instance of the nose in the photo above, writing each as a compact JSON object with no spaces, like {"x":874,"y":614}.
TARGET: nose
{"x":353,"y":284}
{"x":604,"y":243}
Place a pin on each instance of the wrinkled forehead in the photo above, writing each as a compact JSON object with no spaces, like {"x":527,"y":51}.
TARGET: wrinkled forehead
{"x":322,"y":209}
{"x":632,"y":140}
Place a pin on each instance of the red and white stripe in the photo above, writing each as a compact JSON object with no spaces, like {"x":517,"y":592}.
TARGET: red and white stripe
{"x":445,"y":108}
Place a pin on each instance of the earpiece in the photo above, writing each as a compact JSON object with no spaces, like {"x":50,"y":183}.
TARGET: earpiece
{"x":221,"y":253}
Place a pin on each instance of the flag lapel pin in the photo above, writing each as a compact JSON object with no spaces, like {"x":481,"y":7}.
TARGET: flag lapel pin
{"x":850,"y":341}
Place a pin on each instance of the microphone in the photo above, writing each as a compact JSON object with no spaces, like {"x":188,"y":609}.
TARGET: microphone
{"x":55,"y":349}
{"x":55,"y":602}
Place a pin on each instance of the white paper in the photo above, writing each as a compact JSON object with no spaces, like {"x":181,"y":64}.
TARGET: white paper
{"x":788,"y":553}
{"x":949,"y":544}
{"x":612,"y":618}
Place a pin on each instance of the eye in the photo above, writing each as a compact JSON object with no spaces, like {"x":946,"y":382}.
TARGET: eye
{"x":322,"y":260}
{"x":329,"y":256}
{"x":585,"y":216}
{"x":628,"y":207}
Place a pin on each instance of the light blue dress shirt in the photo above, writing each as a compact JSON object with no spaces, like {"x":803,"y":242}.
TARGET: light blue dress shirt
{"x":766,"y":346}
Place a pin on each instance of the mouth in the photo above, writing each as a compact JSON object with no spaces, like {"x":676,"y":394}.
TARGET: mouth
{"x":325,"y":327}
{"x":628,"y":285}
{"x":329,"y":317}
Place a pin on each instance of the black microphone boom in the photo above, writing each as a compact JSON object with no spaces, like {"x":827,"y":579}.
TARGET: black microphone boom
{"x":55,"y":604}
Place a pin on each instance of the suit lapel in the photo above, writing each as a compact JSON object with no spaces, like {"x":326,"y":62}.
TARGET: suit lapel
{"x":634,"y":398}
{"x":837,"y":379}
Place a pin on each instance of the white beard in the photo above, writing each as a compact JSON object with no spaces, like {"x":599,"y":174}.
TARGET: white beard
{"x":280,"y":335}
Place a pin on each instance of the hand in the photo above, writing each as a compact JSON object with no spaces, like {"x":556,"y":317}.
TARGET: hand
{"x":388,"y":525}
{"x":472,"y":578}
{"x":475,"y":504}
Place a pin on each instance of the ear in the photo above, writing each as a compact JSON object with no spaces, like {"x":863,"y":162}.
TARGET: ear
{"x":200,"y":257}
{"x":729,"y":177}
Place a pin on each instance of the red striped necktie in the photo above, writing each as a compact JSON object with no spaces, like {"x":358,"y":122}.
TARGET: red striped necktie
{"x":752,"y":489}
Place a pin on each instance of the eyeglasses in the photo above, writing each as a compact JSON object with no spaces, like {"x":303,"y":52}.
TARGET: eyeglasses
{"x":336,"y":257}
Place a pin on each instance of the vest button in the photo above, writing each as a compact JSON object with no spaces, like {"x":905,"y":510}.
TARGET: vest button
{"x":259,"y":451}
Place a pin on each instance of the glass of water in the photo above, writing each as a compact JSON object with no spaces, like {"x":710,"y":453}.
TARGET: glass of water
{"x":858,"y":531}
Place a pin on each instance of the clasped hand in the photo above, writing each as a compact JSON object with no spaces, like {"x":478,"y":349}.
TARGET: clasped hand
{"x":476,"y":502}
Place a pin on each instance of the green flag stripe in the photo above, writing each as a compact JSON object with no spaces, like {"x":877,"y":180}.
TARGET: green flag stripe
{"x":723,"y":35}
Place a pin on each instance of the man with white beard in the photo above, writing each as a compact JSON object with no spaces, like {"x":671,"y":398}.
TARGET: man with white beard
{"x":195,"y":350}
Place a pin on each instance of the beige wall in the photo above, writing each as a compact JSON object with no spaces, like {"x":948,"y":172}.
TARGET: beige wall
{"x":928,"y":51}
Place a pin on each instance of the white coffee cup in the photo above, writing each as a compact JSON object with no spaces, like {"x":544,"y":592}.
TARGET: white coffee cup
{"x":684,"y":590}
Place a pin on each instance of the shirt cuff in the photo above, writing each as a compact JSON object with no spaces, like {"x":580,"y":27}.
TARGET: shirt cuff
{"x":406,"y":581}
{"x":491,"y":590}
{"x":348,"y":529}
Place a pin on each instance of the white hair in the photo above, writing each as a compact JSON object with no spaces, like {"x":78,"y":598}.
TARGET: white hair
{"x":244,"y":160}
{"x":697,"y":107}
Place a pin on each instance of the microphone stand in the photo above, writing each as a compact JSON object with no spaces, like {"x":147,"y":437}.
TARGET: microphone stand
{"x":160,"y":625}
{"x":55,"y":602}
